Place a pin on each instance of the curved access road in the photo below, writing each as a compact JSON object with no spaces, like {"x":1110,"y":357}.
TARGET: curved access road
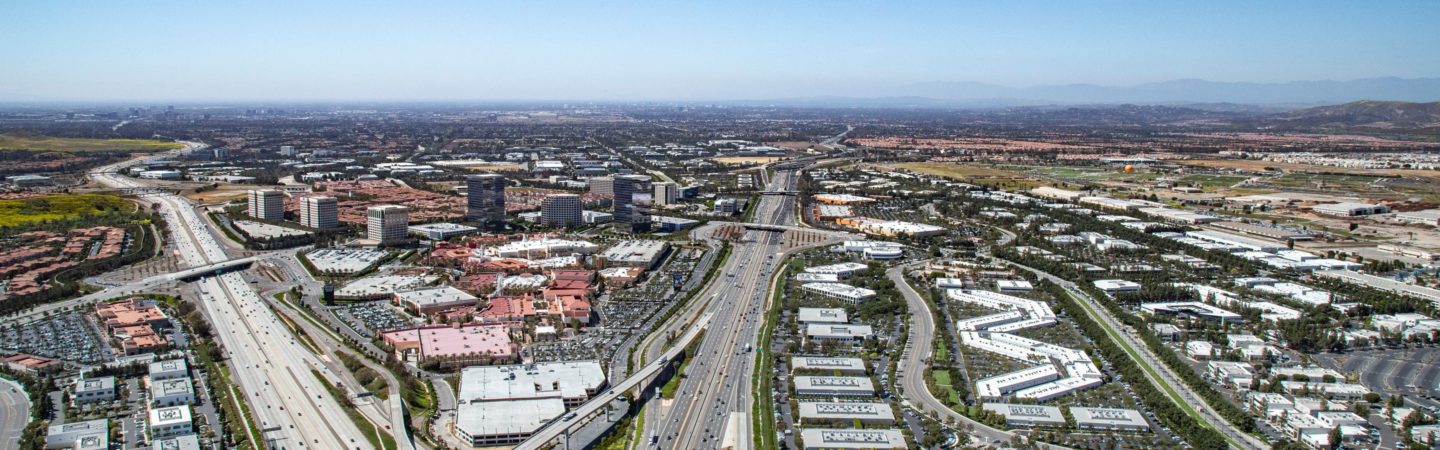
{"x":14,"y":414}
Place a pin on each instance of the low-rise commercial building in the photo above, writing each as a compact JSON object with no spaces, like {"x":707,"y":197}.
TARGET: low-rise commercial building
{"x":171,"y":392}
{"x":822,"y":316}
{"x":847,"y":439}
{"x":843,"y":366}
{"x":87,"y":435}
{"x":813,"y":386}
{"x":91,"y":390}
{"x":866,"y":413}
{"x":441,"y":231}
{"x":1110,"y":419}
{"x":838,"y":290}
{"x":433,"y":300}
{"x":1028,"y":415}
{"x":845,"y":334}
{"x":171,"y":421}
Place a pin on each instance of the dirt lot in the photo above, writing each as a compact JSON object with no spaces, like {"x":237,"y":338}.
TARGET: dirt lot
{"x":796,"y":145}
{"x":1259,"y":166}
{"x":223,"y":194}
{"x":966,"y":143}
{"x":746,"y":160}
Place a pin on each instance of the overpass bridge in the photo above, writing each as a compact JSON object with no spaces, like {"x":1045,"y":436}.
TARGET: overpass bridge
{"x":560,"y":428}
{"x":147,"y":284}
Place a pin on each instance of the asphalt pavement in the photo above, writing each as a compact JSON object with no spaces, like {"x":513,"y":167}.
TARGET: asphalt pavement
{"x":14,"y":413}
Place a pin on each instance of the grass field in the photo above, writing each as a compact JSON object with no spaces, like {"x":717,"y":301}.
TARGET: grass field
{"x":973,"y":174}
{"x":57,"y":207}
{"x":942,"y":379}
{"x":54,"y":144}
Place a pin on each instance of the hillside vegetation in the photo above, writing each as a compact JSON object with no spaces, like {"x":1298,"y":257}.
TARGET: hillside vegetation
{"x":15,"y":212}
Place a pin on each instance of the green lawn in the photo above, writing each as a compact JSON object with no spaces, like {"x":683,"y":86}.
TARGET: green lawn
{"x":58,"y":207}
{"x":56,"y":144}
{"x":942,"y":379}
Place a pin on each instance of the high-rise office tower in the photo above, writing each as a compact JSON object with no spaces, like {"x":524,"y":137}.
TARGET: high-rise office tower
{"x":632,"y":198}
{"x":319,"y":212}
{"x":485,"y":199}
{"x":602,"y":185}
{"x":267,"y":204}
{"x":387,"y":224}
{"x":666,"y":193}
{"x":561,"y":211}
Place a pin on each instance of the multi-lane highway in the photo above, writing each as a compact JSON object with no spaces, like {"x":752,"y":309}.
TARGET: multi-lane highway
{"x":271,"y":368}
{"x":717,"y":379}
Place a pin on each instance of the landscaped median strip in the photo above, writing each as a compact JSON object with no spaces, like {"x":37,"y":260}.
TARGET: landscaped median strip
{"x":1144,"y":365}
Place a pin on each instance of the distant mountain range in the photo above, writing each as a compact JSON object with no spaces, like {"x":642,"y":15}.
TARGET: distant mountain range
{"x":1295,"y":93}
{"x":1380,"y":115}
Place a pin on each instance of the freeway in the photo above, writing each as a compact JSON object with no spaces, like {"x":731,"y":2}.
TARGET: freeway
{"x":271,"y":368}
{"x":1160,"y":374}
{"x":718,"y":380}
{"x":139,"y":286}
{"x":15,"y":414}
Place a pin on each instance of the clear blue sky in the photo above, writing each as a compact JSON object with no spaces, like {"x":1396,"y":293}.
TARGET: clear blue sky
{"x":473,"y":50}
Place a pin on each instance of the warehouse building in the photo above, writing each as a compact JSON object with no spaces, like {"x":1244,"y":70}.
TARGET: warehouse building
{"x":1348,"y":209}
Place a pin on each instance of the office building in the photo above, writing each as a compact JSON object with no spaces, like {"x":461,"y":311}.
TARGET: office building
{"x":602,"y":185}
{"x":387,"y":224}
{"x":319,"y":212}
{"x":1113,"y":419}
{"x":846,"y":439}
{"x":287,"y":150}
{"x":1028,"y":415}
{"x":866,"y":413}
{"x":485,"y":199}
{"x":441,"y":231}
{"x":87,"y":435}
{"x":630,"y":209}
{"x":560,"y":211}
{"x":171,"y":421}
{"x":666,"y":193}
{"x":267,"y":204}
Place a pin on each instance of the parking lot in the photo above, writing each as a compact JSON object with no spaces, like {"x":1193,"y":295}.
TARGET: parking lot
{"x":370,"y":318}
{"x":591,"y":344}
{"x":68,"y":336}
{"x":1410,"y":371}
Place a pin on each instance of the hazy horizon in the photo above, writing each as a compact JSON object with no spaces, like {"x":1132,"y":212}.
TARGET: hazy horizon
{"x":564,"y":51}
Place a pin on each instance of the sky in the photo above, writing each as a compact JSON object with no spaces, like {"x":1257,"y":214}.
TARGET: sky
{"x":683,"y":50}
